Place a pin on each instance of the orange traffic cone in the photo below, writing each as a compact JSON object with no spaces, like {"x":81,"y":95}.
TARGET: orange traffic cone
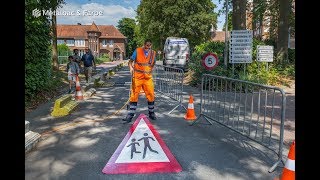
{"x":190,"y":115}
{"x":288,"y":172}
{"x":79,"y":95}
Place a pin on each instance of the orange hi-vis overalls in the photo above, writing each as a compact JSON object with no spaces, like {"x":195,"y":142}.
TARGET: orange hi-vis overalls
{"x":142,"y":75}
{"x":142,"y":78}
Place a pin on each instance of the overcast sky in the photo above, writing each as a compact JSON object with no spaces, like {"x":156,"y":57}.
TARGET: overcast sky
{"x":106,"y":12}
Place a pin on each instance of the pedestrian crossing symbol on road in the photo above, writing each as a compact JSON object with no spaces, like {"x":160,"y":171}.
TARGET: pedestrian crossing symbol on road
{"x":142,"y":151}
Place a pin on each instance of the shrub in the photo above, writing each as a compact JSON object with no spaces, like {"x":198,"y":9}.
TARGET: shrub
{"x":291,"y":56}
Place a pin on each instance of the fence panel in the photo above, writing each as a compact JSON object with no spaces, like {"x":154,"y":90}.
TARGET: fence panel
{"x":254,"y":110}
{"x":169,"y":82}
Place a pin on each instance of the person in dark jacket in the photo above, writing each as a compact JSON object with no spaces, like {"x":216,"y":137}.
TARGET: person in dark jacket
{"x":88,"y":64}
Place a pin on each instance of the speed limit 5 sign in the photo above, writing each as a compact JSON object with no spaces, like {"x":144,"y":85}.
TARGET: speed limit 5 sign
{"x":210,"y":61}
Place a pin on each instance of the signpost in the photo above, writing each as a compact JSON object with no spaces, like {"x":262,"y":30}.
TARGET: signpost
{"x":240,"y":49}
{"x":265,"y":54}
{"x":210,"y":61}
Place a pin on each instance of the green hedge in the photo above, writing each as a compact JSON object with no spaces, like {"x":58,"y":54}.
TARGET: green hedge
{"x":37,"y":51}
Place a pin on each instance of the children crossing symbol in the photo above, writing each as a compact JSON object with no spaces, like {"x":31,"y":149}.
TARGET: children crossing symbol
{"x":142,"y":151}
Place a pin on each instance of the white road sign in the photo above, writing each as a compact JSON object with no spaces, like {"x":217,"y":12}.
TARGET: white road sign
{"x":240,"y":40}
{"x":264,"y":47}
{"x":240,"y":49}
{"x":241,"y":32}
{"x":264,"y":53}
{"x":265,"y":59}
{"x":241,"y":45}
{"x":241,"y":58}
{"x":246,"y":52}
{"x":241,"y":36}
{"x":236,"y":48}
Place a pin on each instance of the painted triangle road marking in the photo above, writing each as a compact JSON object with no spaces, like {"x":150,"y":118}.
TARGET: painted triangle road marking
{"x":142,"y":151}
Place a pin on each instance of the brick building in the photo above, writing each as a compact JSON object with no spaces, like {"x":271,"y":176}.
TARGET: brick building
{"x":101,"y":39}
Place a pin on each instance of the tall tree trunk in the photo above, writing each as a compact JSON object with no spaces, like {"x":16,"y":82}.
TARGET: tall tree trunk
{"x":54,"y":43}
{"x":261,"y":26}
{"x":254,"y":18}
{"x":239,"y":14}
{"x":283,"y":30}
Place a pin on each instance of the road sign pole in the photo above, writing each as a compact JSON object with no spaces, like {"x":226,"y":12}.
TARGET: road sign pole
{"x":232,"y":69}
{"x":226,"y":38}
{"x":244,"y":68}
{"x":267,"y":66}
{"x":258,"y":72}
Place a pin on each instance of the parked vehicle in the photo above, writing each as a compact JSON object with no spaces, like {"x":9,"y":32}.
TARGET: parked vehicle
{"x":176,"y":52}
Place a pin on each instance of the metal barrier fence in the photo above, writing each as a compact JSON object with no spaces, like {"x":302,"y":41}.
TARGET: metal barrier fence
{"x":254,"y":110}
{"x":169,"y":82}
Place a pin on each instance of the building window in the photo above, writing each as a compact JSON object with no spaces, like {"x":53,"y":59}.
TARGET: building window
{"x":111,"y":42}
{"x":70,"y":42}
{"x":80,"y":42}
{"x":104,"y":42}
{"x":60,"y":41}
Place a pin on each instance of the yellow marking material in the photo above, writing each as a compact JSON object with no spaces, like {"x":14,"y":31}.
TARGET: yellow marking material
{"x":63,"y":106}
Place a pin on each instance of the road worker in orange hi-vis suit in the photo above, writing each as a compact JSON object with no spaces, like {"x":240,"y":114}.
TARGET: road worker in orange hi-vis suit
{"x":141,"y":64}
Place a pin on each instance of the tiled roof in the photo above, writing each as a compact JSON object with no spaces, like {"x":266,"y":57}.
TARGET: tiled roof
{"x":93,"y":27}
{"x":80,"y":31}
{"x":219,"y":36}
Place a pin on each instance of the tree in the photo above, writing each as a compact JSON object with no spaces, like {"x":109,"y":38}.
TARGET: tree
{"x":127,"y":26}
{"x":54,"y":4}
{"x":229,"y":22}
{"x":283,"y":31}
{"x":258,"y":11}
{"x":239,"y":14}
{"x":190,"y":19}
{"x":37,"y":48}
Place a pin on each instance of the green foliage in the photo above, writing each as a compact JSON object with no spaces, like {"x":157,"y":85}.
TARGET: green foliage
{"x":139,"y":36}
{"x":105,"y":55}
{"x":196,"y":60}
{"x":289,"y":71}
{"x":37,"y":52}
{"x":190,"y":19}
{"x":63,"y":53}
{"x":102,"y":59}
{"x":229,"y":22}
{"x":127,"y":27}
{"x":64,"y":50}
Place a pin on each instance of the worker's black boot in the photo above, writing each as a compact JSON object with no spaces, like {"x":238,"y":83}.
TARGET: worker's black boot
{"x":152,"y":116}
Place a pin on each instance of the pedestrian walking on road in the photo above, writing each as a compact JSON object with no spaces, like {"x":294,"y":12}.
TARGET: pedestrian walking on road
{"x":73,"y":71}
{"x":77,"y":59}
{"x":88,"y":63}
{"x":141,"y":64}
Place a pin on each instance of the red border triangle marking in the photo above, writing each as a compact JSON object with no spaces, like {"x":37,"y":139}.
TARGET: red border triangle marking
{"x":144,"y":167}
